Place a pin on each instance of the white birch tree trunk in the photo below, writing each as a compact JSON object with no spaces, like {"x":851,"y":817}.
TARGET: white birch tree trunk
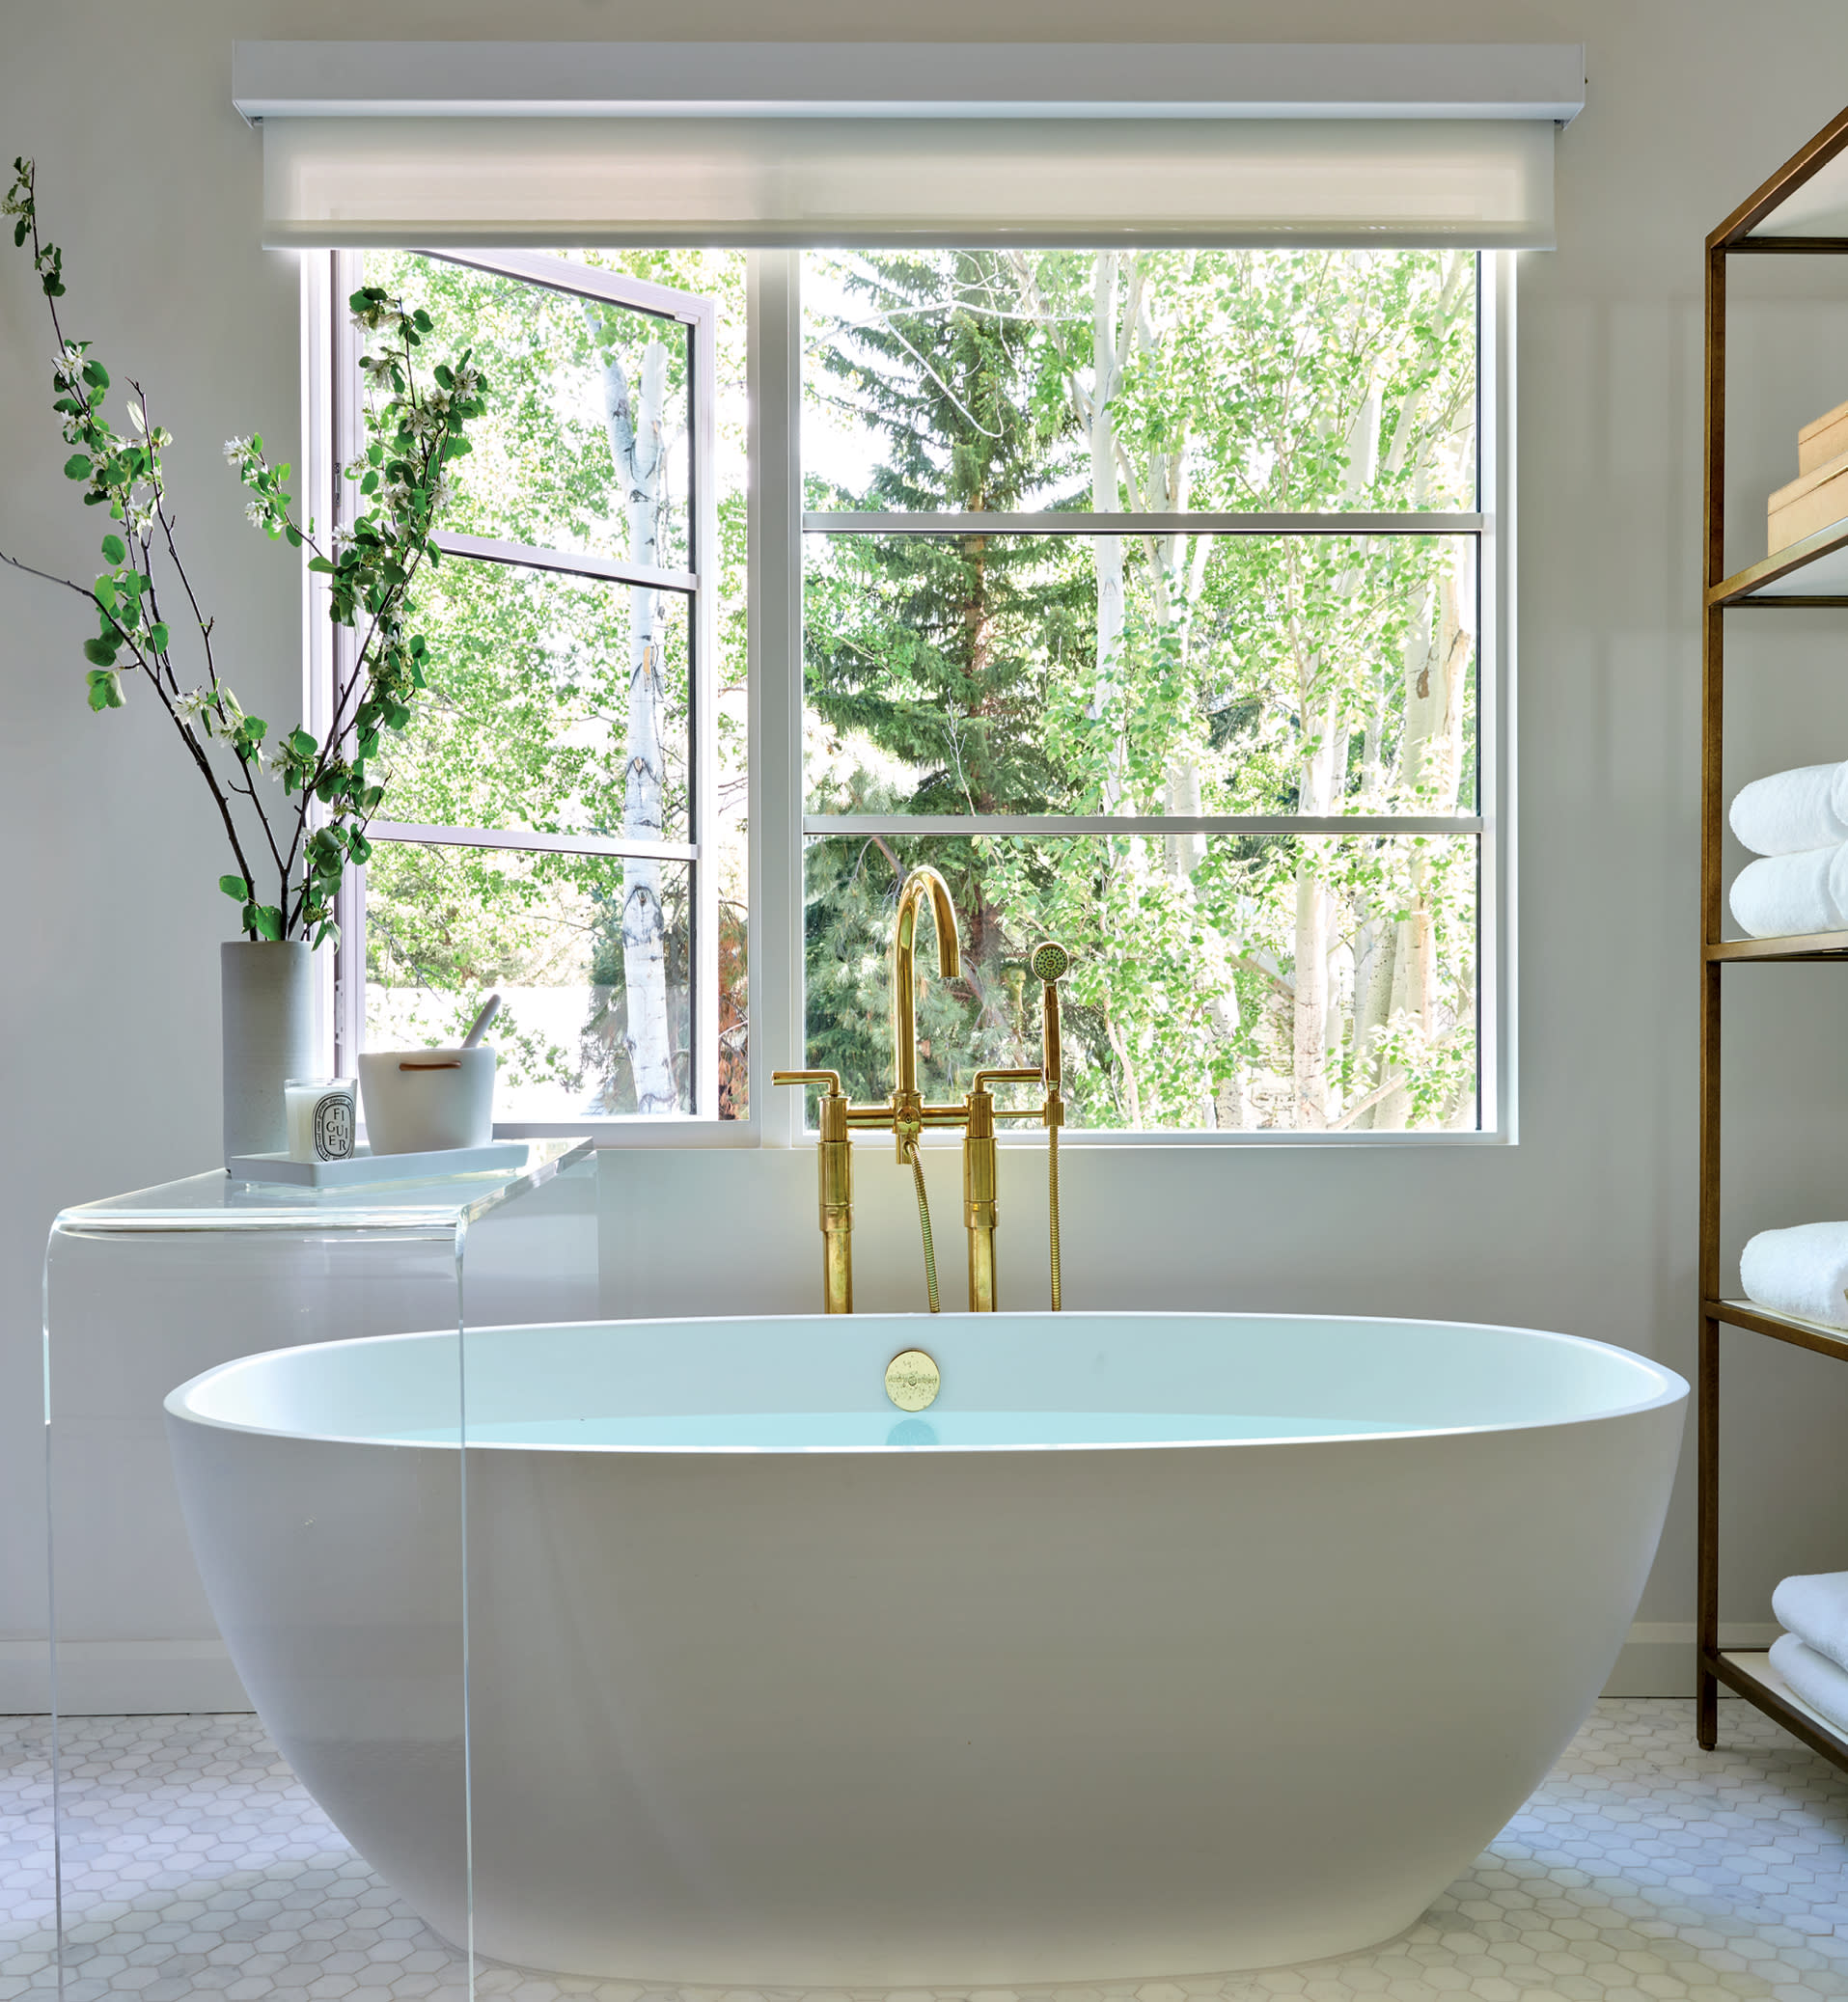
{"x":1317,"y":1032}
{"x":1310,"y":1014}
{"x":1437,"y":658}
{"x":636,"y":428}
{"x":1106,"y":378}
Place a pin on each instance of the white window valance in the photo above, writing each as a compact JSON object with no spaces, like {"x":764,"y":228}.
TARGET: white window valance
{"x":562,"y":144}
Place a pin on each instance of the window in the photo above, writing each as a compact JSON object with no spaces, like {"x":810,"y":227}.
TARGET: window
{"x":1151,"y":596}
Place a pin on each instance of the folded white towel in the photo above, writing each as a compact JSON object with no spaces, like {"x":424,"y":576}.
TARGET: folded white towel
{"x":1801,"y":1271}
{"x":1813,"y":1677}
{"x":1793,"y":810}
{"x":1815,"y":1609}
{"x":1784,"y":893}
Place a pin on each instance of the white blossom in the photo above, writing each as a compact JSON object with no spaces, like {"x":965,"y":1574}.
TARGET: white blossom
{"x":236,"y":451}
{"x":374,"y":317}
{"x":257,"y":514}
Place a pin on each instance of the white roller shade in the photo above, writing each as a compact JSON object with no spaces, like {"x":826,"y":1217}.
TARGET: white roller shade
{"x":508,"y":150}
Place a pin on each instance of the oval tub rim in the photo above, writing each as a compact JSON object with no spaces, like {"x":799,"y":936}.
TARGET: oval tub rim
{"x":1672,"y":1388}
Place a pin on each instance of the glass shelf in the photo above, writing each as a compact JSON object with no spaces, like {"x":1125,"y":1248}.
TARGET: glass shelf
{"x":217,"y":1202}
{"x":1811,"y":572}
{"x":1811,"y":944}
{"x":1749,"y":1673}
{"x":1815,"y":1335}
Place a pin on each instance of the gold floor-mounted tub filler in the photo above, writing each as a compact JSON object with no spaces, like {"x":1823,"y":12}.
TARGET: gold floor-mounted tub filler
{"x":906,"y":1114}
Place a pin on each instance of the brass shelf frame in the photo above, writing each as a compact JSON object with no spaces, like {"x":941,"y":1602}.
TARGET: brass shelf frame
{"x":1753,"y":588}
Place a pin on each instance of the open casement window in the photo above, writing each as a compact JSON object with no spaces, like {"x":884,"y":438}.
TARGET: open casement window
{"x":1143,"y":596}
{"x":555,"y":802}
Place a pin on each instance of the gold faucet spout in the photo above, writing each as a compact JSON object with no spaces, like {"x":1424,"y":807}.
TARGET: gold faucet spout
{"x":923,"y":883}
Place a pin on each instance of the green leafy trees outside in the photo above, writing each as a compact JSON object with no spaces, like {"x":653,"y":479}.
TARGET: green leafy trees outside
{"x":1239,"y":981}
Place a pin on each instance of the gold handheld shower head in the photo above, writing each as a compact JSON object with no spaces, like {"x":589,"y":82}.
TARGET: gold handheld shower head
{"x":1049,"y":963}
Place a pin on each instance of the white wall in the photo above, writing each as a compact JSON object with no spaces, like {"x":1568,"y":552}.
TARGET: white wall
{"x":151,"y":181}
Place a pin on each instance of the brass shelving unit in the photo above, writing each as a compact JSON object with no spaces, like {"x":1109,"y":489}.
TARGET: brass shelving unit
{"x":1811,"y":572}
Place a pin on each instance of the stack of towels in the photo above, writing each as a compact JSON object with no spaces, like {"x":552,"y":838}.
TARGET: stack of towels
{"x":1813,"y":1658}
{"x":1802,"y":1271}
{"x":1798,"y":822}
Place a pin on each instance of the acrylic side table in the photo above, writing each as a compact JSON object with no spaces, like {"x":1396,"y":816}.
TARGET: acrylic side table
{"x":145,"y":1291}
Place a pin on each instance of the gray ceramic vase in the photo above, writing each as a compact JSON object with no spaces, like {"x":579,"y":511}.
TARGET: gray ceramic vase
{"x":269,"y":1022}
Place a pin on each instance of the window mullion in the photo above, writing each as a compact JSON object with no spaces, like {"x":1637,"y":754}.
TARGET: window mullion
{"x":564,"y":563}
{"x":1053,"y":824}
{"x":775,"y":619}
{"x":526,"y":840}
{"x":1070,"y":522}
{"x":340,"y":644}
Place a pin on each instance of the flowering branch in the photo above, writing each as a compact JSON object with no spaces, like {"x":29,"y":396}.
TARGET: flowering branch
{"x":415,"y":427}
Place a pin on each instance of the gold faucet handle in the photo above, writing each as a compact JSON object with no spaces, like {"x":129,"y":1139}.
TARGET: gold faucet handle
{"x":1012,"y":1076}
{"x":1035,"y":1076}
{"x":831,"y":1079}
{"x":831,"y":1108}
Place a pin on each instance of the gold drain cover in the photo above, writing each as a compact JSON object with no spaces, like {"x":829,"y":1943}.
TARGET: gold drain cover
{"x":913,"y":1380}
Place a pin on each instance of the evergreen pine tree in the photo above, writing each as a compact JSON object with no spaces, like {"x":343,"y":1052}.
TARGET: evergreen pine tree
{"x":936,"y":651}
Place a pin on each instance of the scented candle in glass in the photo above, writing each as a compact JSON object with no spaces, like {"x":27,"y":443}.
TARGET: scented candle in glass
{"x":323,"y":1117}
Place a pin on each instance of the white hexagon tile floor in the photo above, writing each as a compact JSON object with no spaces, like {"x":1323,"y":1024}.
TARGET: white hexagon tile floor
{"x":1644,"y":1870}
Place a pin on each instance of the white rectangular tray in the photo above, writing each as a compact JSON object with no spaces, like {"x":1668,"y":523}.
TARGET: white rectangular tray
{"x":363,"y":1166}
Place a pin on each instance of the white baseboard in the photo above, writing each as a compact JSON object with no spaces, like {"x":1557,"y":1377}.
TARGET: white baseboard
{"x":120,"y":1677}
{"x":142,"y":1678}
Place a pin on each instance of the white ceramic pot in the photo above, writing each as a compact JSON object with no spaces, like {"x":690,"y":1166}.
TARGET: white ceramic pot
{"x":419,"y":1100}
{"x":267,"y":998}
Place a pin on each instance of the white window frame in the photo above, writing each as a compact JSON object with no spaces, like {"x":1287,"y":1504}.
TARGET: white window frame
{"x":775,"y":791}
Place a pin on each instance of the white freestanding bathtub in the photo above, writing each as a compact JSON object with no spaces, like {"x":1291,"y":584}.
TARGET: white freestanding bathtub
{"x":1161,"y":1643}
